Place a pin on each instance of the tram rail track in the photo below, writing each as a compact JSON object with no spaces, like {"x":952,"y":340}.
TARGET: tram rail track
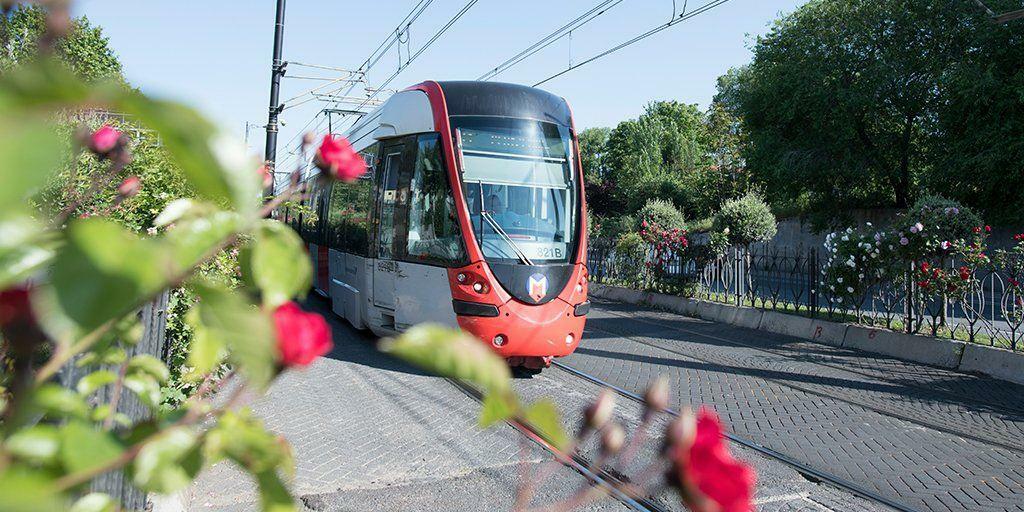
{"x":806,"y":389}
{"x":808,"y":471}
{"x":613,"y":485}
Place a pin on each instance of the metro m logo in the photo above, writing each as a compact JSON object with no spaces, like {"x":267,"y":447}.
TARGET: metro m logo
{"x":537,"y":287}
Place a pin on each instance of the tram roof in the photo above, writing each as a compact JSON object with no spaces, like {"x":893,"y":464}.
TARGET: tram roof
{"x":476,"y":98}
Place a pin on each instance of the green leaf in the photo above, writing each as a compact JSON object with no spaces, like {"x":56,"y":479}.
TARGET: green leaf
{"x":243,"y":439}
{"x":105,"y":272}
{"x":543,"y":417}
{"x":95,"y":502}
{"x":174,"y":211}
{"x":216,"y":165}
{"x":497,"y":407}
{"x":25,"y":248}
{"x":279,"y":264}
{"x":149,"y":365}
{"x":58,"y":402}
{"x":451,"y":353}
{"x":207,"y":350}
{"x":168,"y":463}
{"x":243,"y":328}
{"x":194,"y":239}
{"x":84,"y":448}
{"x":274,"y":496}
{"x":31,"y":150}
{"x":27,"y":491}
{"x":145,"y":387}
{"x":38,"y":444}
{"x":95,"y":380}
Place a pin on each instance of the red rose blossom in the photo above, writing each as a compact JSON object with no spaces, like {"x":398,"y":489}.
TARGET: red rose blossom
{"x":705,"y":464}
{"x":15,"y":306}
{"x":104,"y":141}
{"x":336,"y":158}
{"x":130,"y":186}
{"x":301,"y":336}
{"x":268,"y":177}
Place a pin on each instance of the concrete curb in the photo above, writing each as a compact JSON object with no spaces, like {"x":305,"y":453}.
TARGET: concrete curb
{"x":956,"y":355}
{"x":997,"y":362}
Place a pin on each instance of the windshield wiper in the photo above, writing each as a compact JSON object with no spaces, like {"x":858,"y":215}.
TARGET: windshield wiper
{"x":511,"y":243}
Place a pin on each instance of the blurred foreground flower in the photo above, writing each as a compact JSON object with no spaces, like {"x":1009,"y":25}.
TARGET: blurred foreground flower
{"x":336,"y":158}
{"x":14,"y":307}
{"x":105,"y":141}
{"x":301,"y":336}
{"x":130,"y":186}
{"x":704,"y":469}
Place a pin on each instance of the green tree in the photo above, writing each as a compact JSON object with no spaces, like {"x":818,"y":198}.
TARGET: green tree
{"x":592,"y":153}
{"x":843,"y":97}
{"x":655,"y":152}
{"x":85,"y":50}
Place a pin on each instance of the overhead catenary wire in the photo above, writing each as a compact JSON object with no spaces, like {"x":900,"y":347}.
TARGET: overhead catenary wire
{"x":547,"y":40}
{"x":681,"y":18}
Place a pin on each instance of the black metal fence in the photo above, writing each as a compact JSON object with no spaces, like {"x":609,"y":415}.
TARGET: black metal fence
{"x":991,"y":312}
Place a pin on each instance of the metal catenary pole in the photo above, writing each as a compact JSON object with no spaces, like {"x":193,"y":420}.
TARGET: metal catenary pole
{"x":277,"y":71}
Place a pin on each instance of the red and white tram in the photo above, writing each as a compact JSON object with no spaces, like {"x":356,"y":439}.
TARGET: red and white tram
{"x":472,"y":215}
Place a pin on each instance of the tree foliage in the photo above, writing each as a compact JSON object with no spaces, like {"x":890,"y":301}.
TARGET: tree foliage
{"x":858,"y":103}
{"x":85,"y":50}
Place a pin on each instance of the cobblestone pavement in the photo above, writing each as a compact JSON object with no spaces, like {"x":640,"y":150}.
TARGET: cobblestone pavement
{"x":779,"y":488}
{"x":932,"y":439}
{"x":370,"y":433}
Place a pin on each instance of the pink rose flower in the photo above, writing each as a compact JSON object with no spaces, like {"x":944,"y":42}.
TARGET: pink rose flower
{"x":336,"y":158}
{"x":105,"y":141}
{"x":130,"y":186}
{"x":301,"y":336}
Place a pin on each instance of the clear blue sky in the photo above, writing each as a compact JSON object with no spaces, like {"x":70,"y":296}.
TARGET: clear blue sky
{"x":215,"y":55}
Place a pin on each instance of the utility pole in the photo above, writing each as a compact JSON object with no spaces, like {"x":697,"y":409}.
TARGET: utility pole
{"x":277,"y":71}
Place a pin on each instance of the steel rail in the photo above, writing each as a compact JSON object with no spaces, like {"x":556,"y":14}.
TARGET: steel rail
{"x":815,"y":474}
{"x":611,"y":484}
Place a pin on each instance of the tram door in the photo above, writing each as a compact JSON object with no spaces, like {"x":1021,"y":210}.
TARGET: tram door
{"x":389,"y":203}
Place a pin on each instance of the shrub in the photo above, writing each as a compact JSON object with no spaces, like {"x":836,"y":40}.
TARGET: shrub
{"x":934,"y":227}
{"x":746,"y":220}
{"x":854,"y":261}
{"x":630,"y":259}
{"x":613,"y":228}
{"x":661,"y":215}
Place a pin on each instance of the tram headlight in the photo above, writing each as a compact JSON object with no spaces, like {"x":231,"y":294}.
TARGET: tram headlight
{"x":499,"y":340}
{"x":479,"y":287}
{"x":461,"y":277}
{"x":579,"y":288}
{"x":569,"y":338}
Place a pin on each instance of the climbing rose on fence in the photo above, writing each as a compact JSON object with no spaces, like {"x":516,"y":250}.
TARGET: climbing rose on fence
{"x":301,"y":336}
{"x":336,"y":158}
{"x":703,"y":463}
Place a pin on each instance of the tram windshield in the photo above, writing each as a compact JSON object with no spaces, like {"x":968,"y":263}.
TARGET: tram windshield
{"x":519,"y":182}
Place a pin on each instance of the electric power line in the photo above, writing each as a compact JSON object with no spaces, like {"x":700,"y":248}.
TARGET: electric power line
{"x":681,"y":18}
{"x":546,"y":41}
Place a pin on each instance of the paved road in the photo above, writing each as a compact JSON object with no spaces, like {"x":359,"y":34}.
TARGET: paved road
{"x":931,"y":438}
{"x":370,"y":433}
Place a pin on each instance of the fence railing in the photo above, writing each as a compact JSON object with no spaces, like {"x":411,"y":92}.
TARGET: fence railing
{"x":991,"y":312}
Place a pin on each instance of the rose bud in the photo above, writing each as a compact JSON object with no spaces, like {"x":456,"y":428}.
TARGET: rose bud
{"x":105,"y":141}
{"x":130,"y":186}
{"x":612,"y":439}
{"x":600,"y":411}
{"x":336,"y":159}
{"x":301,"y":336}
{"x":656,"y":397}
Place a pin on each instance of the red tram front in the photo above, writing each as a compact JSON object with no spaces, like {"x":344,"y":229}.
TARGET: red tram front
{"x":473,"y":215}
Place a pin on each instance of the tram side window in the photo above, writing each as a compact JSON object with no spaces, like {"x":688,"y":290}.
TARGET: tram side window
{"x":348,"y":216}
{"x":433,"y":231}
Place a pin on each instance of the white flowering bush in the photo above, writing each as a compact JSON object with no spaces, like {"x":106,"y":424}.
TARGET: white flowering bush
{"x":854,"y":261}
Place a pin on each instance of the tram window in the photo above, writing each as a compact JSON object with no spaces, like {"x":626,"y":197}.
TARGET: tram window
{"x":348,"y":216}
{"x":433,"y":232}
{"x":389,"y":199}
